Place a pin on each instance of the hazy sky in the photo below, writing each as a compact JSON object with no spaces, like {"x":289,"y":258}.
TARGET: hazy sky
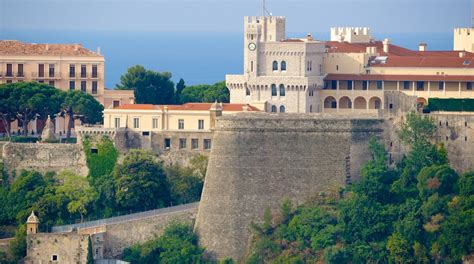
{"x":226,"y":15}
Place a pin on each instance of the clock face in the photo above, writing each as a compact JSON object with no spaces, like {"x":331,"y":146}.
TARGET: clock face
{"x":252,"y":46}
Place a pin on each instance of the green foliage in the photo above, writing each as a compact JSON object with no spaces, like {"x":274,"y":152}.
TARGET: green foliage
{"x":103,"y":162}
{"x":17,"y":249}
{"x":205,"y":93}
{"x":178,"y":244}
{"x":184,"y":186}
{"x":150,"y":87}
{"x":140,"y":182}
{"x":451,"y":104}
{"x":90,"y":253}
{"x":199,"y":165}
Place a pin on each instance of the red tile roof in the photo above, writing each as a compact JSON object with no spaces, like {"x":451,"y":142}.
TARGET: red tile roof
{"x":187,"y":107}
{"x":401,"y":57}
{"x":15,"y":47}
{"x":385,"y":77}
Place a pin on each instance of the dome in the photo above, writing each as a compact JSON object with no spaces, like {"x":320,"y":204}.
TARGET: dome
{"x":32,"y":219}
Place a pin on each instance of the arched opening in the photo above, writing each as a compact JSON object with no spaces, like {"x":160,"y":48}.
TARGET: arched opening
{"x":274,"y":90}
{"x":282,"y":90}
{"x":274,"y":109}
{"x":345,"y":103}
{"x":310,"y":108}
{"x":360,"y":103}
{"x":247,"y":91}
{"x":283,"y":66}
{"x":275,"y":65}
{"x":421,"y":102}
{"x":330,"y":102}
{"x":375,"y":103}
{"x":282,"y":109}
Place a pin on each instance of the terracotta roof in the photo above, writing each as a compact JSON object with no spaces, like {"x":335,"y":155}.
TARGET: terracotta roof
{"x":426,"y":61}
{"x":14,"y":47}
{"x":187,"y":107}
{"x":385,"y":77}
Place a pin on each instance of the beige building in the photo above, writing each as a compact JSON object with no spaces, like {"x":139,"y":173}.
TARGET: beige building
{"x":64,"y":66}
{"x":287,"y":75}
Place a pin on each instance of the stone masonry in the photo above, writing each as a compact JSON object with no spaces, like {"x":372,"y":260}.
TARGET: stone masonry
{"x":260,"y":159}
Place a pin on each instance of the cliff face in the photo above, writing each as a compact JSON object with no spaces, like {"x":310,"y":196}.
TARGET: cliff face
{"x":259,"y":160}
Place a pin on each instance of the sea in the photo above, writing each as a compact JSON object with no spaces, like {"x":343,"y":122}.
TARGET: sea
{"x":197,"y":57}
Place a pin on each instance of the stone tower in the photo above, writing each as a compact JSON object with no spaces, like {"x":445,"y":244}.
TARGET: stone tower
{"x":32,"y":224}
{"x":257,"y":160}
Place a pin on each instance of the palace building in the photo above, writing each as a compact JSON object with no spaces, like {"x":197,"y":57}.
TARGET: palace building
{"x":349,"y":73}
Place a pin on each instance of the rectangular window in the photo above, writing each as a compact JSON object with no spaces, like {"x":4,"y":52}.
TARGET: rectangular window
{"x":72,"y":85}
{"x":83,"y":86}
{"x":167,"y":144}
{"x":182,"y":143}
{"x":201,"y":124}
{"x":51,"y":70}
{"x":83,"y":71}
{"x":9,"y":70}
{"x":94,"y":87}
{"x":72,"y":70}
{"x":51,"y":83}
{"x":145,"y":133}
{"x":469,"y":86}
{"x":40,"y":70}
{"x":194,"y":143}
{"x":117,"y":122}
{"x":379,"y":85}
{"x":334,"y":85}
{"x":116,"y":103}
{"x":349,"y":85}
{"x":41,"y":81}
{"x":181,"y":124}
{"x":9,"y":81}
{"x":420,"y":86}
{"x":441,"y":86}
{"x":155,"y":123}
{"x":406,"y":85}
{"x":207,"y":144}
{"x":20,"y":71}
{"x":94,"y":71}
{"x":326,"y":85}
{"x":136,"y":122}
{"x":365,"y":85}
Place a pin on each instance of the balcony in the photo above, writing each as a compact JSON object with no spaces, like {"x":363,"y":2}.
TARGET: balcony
{"x":46,"y":76}
{"x":20,"y":75}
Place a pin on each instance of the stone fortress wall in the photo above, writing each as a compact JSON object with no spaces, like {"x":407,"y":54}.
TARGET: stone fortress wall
{"x":260,"y":159}
{"x":44,"y":157}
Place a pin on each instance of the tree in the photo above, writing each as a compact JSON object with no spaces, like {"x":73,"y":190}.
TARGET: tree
{"x":17,"y":247}
{"x":179,"y":89}
{"x":30,"y":100}
{"x":184,"y":186}
{"x":7,"y":112}
{"x":82,"y":106}
{"x":90,"y":253}
{"x":150,"y":87}
{"x":140,"y":182}
{"x":78,"y":192}
{"x":205,"y":93}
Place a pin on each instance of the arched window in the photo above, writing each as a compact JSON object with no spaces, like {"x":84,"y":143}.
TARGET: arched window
{"x":311,"y":108}
{"x":282,"y":109}
{"x":283,"y":66}
{"x":274,"y":90}
{"x":274,"y":109}
{"x":282,"y":90}
{"x":275,"y":65}
{"x":247,"y":91}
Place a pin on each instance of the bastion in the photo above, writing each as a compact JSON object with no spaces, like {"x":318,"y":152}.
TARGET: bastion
{"x":258,"y":160}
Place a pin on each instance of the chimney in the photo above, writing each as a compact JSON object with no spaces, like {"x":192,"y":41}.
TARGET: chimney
{"x":98,"y":50}
{"x":422,"y":47}
{"x":47,"y":47}
{"x":76,"y":47}
{"x":462,"y":54}
{"x":386,"y":45}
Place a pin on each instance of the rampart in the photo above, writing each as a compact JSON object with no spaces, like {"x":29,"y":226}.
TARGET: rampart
{"x":117,"y":233}
{"x":258,"y":160}
{"x":44,"y":157}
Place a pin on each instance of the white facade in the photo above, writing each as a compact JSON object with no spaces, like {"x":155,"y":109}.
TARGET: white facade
{"x":351,"y":34}
{"x":280,"y":75}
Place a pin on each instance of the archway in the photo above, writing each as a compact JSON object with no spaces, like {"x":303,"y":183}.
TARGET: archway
{"x":330,"y":102}
{"x":375,"y":103}
{"x":360,"y":103}
{"x":345,"y":103}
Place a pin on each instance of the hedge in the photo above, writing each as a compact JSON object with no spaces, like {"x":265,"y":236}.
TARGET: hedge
{"x":451,"y":105}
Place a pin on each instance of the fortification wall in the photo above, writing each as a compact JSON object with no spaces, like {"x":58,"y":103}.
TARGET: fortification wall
{"x":44,"y":157}
{"x":260,"y":159}
{"x":67,"y":247}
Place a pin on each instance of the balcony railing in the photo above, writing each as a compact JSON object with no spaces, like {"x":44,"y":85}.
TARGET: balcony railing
{"x":55,"y":75}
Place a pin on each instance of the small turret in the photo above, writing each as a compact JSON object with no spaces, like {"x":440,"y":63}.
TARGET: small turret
{"x":214,"y":112}
{"x":32,"y":224}
{"x":48,"y":131}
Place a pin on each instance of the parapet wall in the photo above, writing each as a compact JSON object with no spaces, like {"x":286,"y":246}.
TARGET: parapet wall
{"x":258,"y":160}
{"x":44,"y":157}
